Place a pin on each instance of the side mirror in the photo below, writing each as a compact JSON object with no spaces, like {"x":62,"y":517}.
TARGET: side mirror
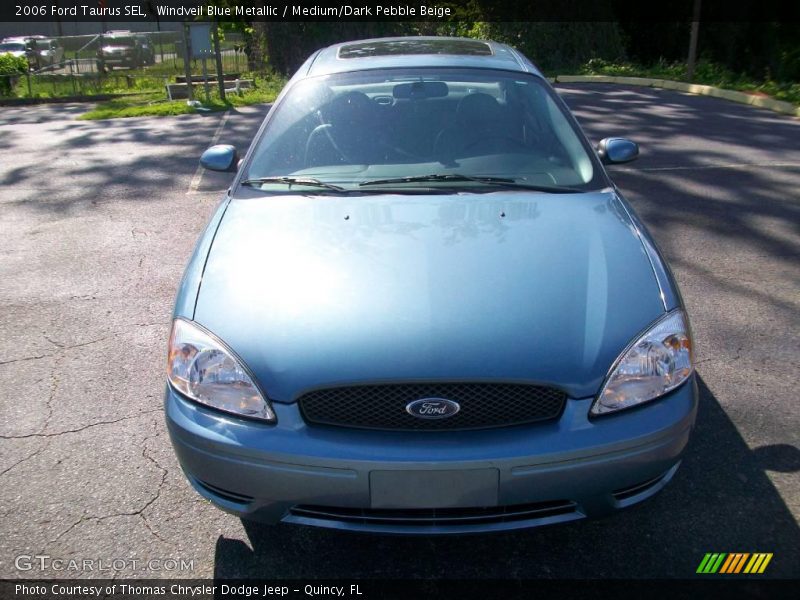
{"x":614,"y":151}
{"x":220,"y":158}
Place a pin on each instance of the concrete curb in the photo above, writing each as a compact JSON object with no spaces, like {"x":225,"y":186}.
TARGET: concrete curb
{"x":778,"y":106}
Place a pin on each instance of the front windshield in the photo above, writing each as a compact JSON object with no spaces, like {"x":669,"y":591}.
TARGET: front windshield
{"x":12,"y":47}
{"x":361,"y":128}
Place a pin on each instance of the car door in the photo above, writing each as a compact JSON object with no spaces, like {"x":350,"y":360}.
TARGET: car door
{"x":58,"y":52}
{"x":32,"y":54}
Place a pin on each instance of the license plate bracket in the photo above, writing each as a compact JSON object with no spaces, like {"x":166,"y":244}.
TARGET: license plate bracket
{"x":434,"y":488}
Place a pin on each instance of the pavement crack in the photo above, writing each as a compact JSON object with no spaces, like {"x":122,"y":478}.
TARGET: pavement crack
{"x":139,"y":512}
{"x":722,"y":359}
{"x":59,"y":346}
{"x":52,"y":341}
{"x":70,"y":528}
{"x":162,"y":483}
{"x":22,"y":460}
{"x":91,"y":296}
{"x":24,"y":358}
{"x":82,"y":344}
{"x":152,"y":531}
{"x":79,"y":429}
{"x":53,"y":389}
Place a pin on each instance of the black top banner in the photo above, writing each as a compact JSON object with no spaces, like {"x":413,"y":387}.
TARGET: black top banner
{"x":110,"y":11}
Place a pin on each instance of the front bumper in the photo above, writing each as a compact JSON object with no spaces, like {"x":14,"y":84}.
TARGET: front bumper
{"x":117,"y":60}
{"x":538,"y":474}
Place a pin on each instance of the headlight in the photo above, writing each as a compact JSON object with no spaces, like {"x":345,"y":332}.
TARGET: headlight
{"x":203,"y":369}
{"x":656,"y":363}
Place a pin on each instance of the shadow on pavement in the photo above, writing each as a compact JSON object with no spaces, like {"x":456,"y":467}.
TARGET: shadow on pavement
{"x":135,"y":159}
{"x":719,"y":167}
{"x":721,"y":500}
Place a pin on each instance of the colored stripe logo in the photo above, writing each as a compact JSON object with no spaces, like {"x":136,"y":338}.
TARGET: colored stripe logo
{"x":734,"y":562}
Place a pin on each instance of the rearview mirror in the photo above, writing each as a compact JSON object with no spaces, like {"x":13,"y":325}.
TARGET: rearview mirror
{"x":220,"y":158}
{"x":419,"y":90}
{"x":614,"y":151}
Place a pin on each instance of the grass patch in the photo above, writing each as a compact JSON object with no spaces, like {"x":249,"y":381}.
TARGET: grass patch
{"x":154,"y":104}
{"x":56,"y":86}
{"x":145,"y":105}
{"x":706,"y":73}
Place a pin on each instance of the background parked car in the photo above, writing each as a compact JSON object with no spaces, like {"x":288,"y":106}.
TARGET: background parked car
{"x":147,"y":49}
{"x":119,"y":49}
{"x":22,"y":47}
{"x":50,"y":53}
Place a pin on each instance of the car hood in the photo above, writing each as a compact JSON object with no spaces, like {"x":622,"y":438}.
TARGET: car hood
{"x":324,"y":291}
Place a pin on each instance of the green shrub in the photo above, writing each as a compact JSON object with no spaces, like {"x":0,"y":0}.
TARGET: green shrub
{"x":706,"y":72}
{"x":554,"y":47}
{"x":10,"y":68}
{"x":10,"y":64}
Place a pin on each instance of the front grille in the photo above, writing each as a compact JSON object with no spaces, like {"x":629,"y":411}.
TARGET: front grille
{"x":436,"y":516}
{"x":483,"y":405}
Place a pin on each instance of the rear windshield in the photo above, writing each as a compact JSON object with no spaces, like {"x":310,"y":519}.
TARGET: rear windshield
{"x":349,"y":128}
{"x":12,"y":47}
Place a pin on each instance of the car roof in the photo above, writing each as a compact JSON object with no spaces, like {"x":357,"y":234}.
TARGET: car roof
{"x":416,"y":51}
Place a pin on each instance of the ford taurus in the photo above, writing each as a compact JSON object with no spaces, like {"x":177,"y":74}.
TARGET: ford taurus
{"x":423,"y":307}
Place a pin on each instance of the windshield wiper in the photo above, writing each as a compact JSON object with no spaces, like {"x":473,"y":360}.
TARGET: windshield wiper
{"x":438,"y":177}
{"x":497,"y":181}
{"x":290,"y":181}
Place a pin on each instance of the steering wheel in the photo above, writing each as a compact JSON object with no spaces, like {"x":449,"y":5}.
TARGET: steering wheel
{"x":324,"y":130}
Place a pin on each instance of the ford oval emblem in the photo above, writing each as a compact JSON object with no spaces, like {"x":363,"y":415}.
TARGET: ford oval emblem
{"x":432,"y":408}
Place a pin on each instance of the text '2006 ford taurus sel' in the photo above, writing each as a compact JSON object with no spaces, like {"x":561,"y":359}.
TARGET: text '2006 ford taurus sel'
{"x":423,"y":307}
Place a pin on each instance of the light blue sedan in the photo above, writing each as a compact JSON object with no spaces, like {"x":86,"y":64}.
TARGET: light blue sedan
{"x":423,"y":307}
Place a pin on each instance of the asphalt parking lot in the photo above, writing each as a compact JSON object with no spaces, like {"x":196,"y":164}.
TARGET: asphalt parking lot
{"x":97,"y":220}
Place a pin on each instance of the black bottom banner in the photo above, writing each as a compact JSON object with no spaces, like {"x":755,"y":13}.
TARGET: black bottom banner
{"x":194,"y":589}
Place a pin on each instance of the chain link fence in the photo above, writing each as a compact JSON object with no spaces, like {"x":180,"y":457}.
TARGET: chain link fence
{"x":119,"y":63}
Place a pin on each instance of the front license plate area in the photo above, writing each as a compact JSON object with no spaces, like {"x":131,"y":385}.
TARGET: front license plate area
{"x":434,"y":489}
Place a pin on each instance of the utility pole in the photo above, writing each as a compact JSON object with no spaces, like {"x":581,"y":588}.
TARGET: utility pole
{"x":102,"y":4}
{"x":693,"y":41}
{"x":187,"y":57}
{"x":218,"y":57}
{"x":58,"y":23}
{"x":154,"y":12}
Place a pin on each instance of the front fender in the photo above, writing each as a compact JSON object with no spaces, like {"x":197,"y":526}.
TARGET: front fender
{"x":186,"y":298}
